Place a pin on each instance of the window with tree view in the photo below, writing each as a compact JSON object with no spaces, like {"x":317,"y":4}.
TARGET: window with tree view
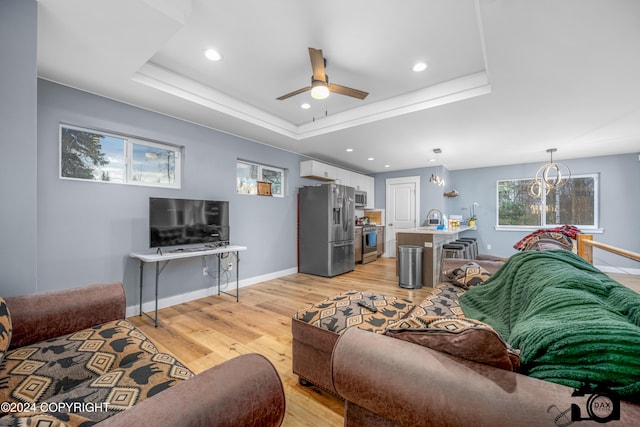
{"x":575,"y":203}
{"x":248,"y":175}
{"x":99,"y":156}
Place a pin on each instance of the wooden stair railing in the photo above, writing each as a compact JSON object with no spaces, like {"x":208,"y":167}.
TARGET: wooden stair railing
{"x":586,"y":245}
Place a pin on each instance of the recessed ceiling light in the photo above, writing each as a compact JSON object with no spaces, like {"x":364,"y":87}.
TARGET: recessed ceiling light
{"x":349,"y":150}
{"x":387,"y":166}
{"x":432,"y":160}
{"x":420,"y":66}
{"x":305,"y":106}
{"x":212,"y":55}
{"x":370,"y":158}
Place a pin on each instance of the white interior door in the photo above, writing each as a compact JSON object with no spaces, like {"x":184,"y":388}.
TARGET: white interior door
{"x":402,"y":207}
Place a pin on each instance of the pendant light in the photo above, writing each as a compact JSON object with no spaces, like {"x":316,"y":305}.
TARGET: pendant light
{"x":551,"y":174}
{"x":436,"y":179}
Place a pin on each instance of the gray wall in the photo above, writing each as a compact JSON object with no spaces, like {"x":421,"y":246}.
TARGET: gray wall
{"x":430,"y":194}
{"x":87,"y":229}
{"x":60,"y":233}
{"x":619,"y":201}
{"x":18,"y":106}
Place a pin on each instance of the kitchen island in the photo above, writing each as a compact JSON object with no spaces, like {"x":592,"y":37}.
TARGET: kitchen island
{"x":431,"y":239}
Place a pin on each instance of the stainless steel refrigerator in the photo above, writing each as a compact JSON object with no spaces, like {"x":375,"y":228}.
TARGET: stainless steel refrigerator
{"x":326,"y":229}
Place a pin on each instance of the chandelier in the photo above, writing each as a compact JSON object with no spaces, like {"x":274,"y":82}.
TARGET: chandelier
{"x":551,"y":175}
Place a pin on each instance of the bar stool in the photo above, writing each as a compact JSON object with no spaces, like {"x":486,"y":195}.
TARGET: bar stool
{"x":467,"y":247}
{"x":474,"y":245}
{"x":451,"y":250}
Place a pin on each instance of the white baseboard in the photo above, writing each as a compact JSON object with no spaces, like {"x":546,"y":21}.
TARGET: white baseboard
{"x":213,"y":290}
{"x":149,"y":306}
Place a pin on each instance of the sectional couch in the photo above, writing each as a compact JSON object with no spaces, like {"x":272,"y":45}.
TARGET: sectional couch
{"x":70,"y":358}
{"x":412,"y":376}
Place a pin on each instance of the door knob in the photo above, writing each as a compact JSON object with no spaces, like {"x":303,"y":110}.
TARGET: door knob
{"x":390,"y":225}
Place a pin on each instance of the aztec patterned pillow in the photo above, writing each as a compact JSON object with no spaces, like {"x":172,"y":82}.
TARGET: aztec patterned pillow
{"x":106,"y":395}
{"x":468,"y":275}
{"x":342,"y":311}
{"x":39,"y":371}
{"x":55,"y":419}
{"x":459,"y":336}
{"x":441,"y":301}
{"x":5,"y":328}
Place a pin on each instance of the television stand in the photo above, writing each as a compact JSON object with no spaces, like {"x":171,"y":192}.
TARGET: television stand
{"x":162,"y":259}
{"x":187,"y":250}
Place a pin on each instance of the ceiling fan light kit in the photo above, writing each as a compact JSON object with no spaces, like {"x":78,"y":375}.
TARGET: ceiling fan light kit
{"x":319,"y":90}
{"x":320,"y":87}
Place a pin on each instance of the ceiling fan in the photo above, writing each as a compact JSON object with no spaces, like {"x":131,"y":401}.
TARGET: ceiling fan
{"x":320,"y":86}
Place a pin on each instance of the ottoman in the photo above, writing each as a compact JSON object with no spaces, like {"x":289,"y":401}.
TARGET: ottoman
{"x":315,"y":330}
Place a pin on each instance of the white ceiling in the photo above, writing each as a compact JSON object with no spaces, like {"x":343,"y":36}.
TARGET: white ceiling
{"x":507,"y":79}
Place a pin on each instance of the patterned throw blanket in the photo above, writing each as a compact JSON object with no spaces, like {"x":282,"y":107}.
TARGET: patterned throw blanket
{"x":564,"y":234}
{"x":573,"y":324}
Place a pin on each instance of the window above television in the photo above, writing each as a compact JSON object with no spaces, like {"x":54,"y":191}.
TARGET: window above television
{"x":92,"y":155}
{"x":250,"y":176}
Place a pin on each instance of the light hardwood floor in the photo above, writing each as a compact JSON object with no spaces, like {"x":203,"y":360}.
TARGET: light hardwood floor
{"x":208,"y":331}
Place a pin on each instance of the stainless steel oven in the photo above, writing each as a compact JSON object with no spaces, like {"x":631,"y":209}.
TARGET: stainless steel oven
{"x":369,"y":243}
{"x":361,"y":199}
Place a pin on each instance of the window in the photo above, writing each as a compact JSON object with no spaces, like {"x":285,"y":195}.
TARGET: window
{"x":99,"y":156}
{"x":574,"y":203}
{"x":249,"y":174}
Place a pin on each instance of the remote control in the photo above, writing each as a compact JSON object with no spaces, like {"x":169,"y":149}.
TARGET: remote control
{"x":369,"y":306}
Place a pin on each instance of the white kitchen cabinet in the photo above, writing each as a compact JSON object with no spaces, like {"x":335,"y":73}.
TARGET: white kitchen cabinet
{"x":357,"y":181}
{"x":316,"y":170}
{"x":313,"y":169}
{"x":369,"y":187}
{"x":343,"y":177}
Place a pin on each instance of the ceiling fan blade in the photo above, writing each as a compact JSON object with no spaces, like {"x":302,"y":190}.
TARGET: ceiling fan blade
{"x":343,"y":90}
{"x":317,"y":64}
{"x":294,"y":93}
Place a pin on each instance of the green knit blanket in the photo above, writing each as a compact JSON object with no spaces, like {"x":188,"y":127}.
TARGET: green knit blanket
{"x":572,"y":323}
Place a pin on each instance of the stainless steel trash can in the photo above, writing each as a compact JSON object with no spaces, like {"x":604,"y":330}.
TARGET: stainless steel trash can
{"x":410,"y":267}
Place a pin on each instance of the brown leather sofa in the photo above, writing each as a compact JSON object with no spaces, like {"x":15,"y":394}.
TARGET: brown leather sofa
{"x":246,"y":390}
{"x":389,"y":382}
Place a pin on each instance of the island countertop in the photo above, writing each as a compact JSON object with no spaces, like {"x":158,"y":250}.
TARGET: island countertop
{"x":431,"y":240}
{"x":434,"y":230}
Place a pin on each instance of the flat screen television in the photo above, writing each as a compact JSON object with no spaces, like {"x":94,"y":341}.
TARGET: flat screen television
{"x":175,"y":222}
